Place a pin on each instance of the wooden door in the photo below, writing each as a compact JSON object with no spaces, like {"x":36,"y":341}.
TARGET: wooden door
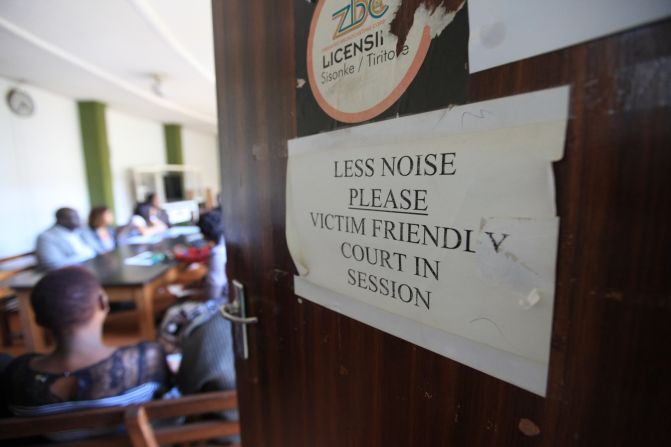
{"x":316,"y":378}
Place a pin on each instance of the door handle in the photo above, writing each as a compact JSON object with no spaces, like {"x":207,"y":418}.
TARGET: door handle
{"x":230,"y":310}
{"x":236,"y":311}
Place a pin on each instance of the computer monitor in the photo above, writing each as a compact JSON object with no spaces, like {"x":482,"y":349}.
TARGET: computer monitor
{"x":173,"y":184}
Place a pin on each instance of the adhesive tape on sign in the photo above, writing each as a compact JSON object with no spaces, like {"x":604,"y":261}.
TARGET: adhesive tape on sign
{"x":354,"y":69}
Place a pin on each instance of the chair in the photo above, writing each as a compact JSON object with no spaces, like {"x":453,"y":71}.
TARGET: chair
{"x":136,"y":420}
{"x":8,"y":304}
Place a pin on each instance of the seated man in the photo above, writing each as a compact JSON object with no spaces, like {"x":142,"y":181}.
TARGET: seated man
{"x":82,"y":372}
{"x":63,"y":244}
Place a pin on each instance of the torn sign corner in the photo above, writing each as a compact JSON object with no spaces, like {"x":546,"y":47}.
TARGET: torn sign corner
{"x":439,"y":16}
{"x":293,"y":241}
{"x":434,"y":14}
{"x":297,"y":257}
{"x":511,"y":253}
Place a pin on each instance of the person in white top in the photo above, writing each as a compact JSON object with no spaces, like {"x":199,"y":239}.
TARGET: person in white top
{"x":154,"y":201}
{"x":145,"y":221}
{"x":63,"y":244}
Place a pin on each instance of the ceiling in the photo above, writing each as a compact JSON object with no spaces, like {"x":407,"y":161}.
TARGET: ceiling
{"x":109,"y":50}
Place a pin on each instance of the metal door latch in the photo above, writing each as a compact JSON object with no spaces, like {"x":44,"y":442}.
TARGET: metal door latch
{"x":231,"y":311}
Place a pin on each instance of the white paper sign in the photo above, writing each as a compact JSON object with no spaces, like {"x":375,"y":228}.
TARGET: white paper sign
{"x":439,"y":228}
{"x":507,"y":31}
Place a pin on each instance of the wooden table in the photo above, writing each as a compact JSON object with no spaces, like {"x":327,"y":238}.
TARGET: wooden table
{"x":121,"y":282}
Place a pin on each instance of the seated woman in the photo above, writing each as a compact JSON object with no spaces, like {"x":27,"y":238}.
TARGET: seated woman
{"x":82,"y":372}
{"x":153,"y":200}
{"x":198,"y":330}
{"x":100,"y":233}
{"x":145,"y":221}
{"x":216,"y":282}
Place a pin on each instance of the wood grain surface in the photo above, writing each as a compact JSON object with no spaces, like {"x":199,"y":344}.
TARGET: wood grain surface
{"x":316,"y":378}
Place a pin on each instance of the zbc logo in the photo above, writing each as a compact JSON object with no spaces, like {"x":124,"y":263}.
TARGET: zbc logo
{"x":355,"y":69}
{"x":353,"y":16}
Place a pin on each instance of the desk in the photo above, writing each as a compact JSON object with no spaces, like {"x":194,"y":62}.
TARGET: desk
{"x":121,"y":282}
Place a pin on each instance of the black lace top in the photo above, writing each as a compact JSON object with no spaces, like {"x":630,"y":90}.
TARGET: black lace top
{"x":127,"y":368}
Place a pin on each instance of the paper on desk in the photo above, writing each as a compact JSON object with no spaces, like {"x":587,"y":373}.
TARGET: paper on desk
{"x":181,"y":231}
{"x":146,"y":258}
{"x":507,"y":31}
{"x":144,"y":240}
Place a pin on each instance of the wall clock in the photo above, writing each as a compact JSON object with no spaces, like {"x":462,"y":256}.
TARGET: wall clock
{"x":20,"y":102}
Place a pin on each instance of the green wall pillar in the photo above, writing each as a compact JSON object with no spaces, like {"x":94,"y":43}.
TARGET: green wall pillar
{"x":96,"y":153}
{"x":173,"y":144}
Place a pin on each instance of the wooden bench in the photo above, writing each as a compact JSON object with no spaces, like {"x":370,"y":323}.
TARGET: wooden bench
{"x":136,"y":419}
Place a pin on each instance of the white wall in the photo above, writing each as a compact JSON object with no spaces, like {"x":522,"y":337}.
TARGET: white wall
{"x":202,"y":150}
{"x":41,"y":167}
{"x":42,"y":163}
{"x":134,"y":142}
